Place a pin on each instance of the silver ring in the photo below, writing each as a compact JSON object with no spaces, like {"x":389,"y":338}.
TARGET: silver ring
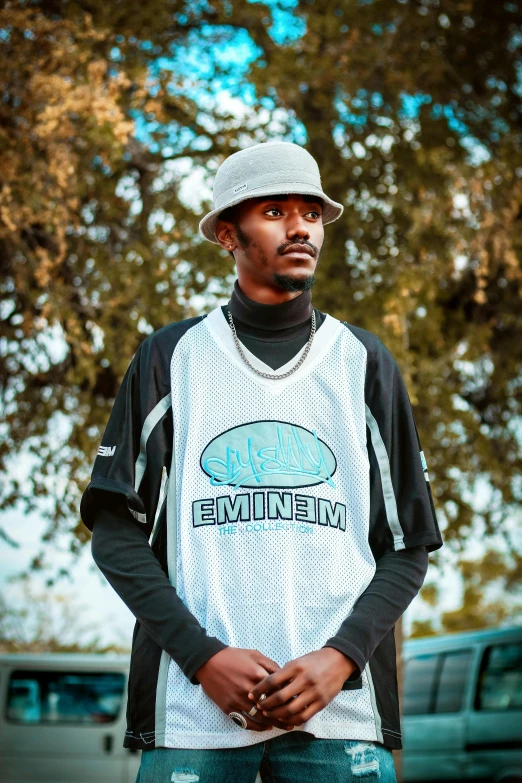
{"x":263,"y":696}
{"x":252,"y":711}
{"x":238,"y":719}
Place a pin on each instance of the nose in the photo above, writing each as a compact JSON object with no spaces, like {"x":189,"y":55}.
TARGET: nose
{"x":297,"y":227}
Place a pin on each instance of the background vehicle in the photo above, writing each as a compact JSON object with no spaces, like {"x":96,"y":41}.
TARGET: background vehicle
{"x":62,"y":718}
{"x":462,"y":707}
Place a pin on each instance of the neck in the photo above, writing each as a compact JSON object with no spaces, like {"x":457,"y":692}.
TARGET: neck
{"x":270,"y":316}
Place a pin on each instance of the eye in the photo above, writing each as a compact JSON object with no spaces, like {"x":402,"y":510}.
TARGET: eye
{"x":314,"y":212}
{"x":273,"y":209}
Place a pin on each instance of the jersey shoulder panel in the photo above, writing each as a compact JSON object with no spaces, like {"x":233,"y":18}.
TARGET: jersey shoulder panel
{"x":157,"y":349}
{"x":373,"y":344}
{"x":166,"y":338}
{"x":380,"y":362}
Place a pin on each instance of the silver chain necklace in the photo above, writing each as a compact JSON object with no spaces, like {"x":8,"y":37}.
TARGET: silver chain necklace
{"x":266,"y":374}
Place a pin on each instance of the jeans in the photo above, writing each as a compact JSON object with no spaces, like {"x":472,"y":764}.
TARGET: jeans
{"x":295,"y":757}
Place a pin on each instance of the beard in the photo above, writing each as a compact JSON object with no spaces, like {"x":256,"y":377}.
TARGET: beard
{"x":293,"y":283}
{"x":285,"y":282}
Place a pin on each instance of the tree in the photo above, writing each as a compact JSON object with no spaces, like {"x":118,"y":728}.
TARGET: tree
{"x":413,"y":113}
{"x":490,"y":596}
{"x":96,"y":247}
{"x":432,"y":236}
{"x":414,"y":116}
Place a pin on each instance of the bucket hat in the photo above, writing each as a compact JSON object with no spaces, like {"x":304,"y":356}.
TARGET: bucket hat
{"x":266,"y":169}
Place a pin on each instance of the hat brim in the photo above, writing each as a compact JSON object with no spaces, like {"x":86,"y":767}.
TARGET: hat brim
{"x":331,"y":211}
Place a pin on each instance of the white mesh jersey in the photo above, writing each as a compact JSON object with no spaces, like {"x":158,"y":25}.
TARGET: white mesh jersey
{"x":281,"y":493}
{"x":272,"y":483}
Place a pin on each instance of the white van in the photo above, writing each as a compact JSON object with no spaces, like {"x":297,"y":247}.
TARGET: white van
{"x":62,"y":719}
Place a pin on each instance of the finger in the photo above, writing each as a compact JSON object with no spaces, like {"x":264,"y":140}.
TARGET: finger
{"x":281,"y":696}
{"x":260,"y":673}
{"x":273,"y":681}
{"x":271,"y":723}
{"x":287,"y":712}
{"x":262,"y":719}
{"x":254,"y":725}
{"x":308,"y":713}
{"x":264,"y":724}
{"x":267,"y":663}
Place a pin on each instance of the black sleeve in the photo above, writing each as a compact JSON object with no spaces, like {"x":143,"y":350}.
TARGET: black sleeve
{"x":121,"y":551}
{"x":120,"y":504}
{"x":136,"y":444}
{"x":402,"y":514}
{"x":397,"y":580}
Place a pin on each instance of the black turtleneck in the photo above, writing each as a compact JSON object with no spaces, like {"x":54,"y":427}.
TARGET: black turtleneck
{"x":275,"y":334}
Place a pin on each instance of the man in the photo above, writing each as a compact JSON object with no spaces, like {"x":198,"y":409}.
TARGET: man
{"x":294,"y":525}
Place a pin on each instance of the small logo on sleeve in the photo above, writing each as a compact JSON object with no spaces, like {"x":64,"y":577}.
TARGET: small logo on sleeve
{"x":106,"y":451}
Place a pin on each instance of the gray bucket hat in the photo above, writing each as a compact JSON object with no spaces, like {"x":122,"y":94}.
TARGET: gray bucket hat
{"x":266,"y":169}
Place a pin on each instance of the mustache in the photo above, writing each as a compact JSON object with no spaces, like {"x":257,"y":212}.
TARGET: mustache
{"x":282,"y":248}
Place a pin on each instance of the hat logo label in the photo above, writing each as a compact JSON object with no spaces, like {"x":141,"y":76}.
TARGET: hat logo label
{"x":239,"y":188}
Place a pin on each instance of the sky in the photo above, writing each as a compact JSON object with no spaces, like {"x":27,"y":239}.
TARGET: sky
{"x":102,"y":613}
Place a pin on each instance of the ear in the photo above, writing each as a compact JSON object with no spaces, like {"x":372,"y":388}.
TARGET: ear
{"x":225,"y":235}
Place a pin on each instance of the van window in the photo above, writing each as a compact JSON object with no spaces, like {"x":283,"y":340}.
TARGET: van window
{"x":500,"y":679}
{"x":452,"y":681}
{"x":64,"y":697}
{"x":419,"y":681}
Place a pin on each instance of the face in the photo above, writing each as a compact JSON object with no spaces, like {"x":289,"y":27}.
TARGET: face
{"x":276,"y":242}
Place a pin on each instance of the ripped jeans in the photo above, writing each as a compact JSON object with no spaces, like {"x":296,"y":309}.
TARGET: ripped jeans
{"x":295,"y":757}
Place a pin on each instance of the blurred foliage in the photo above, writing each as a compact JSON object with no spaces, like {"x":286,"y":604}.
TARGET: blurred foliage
{"x":413,"y":112}
{"x":478,"y":609}
{"x":88,"y":265}
{"x":48,"y":622}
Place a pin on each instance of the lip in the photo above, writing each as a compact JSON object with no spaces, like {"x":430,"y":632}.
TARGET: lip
{"x":299,"y":250}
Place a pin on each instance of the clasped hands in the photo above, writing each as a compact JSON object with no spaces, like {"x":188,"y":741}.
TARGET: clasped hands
{"x":235,"y":678}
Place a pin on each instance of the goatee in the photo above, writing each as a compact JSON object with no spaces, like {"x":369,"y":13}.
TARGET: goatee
{"x":290,"y":283}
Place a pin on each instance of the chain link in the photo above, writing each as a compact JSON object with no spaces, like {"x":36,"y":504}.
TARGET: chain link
{"x":266,"y":374}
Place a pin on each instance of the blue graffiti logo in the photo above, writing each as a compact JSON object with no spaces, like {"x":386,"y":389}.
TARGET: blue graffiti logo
{"x":268,"y":454}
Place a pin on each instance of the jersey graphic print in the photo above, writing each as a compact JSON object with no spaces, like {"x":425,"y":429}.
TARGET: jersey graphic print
{"x":268,"y":454}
